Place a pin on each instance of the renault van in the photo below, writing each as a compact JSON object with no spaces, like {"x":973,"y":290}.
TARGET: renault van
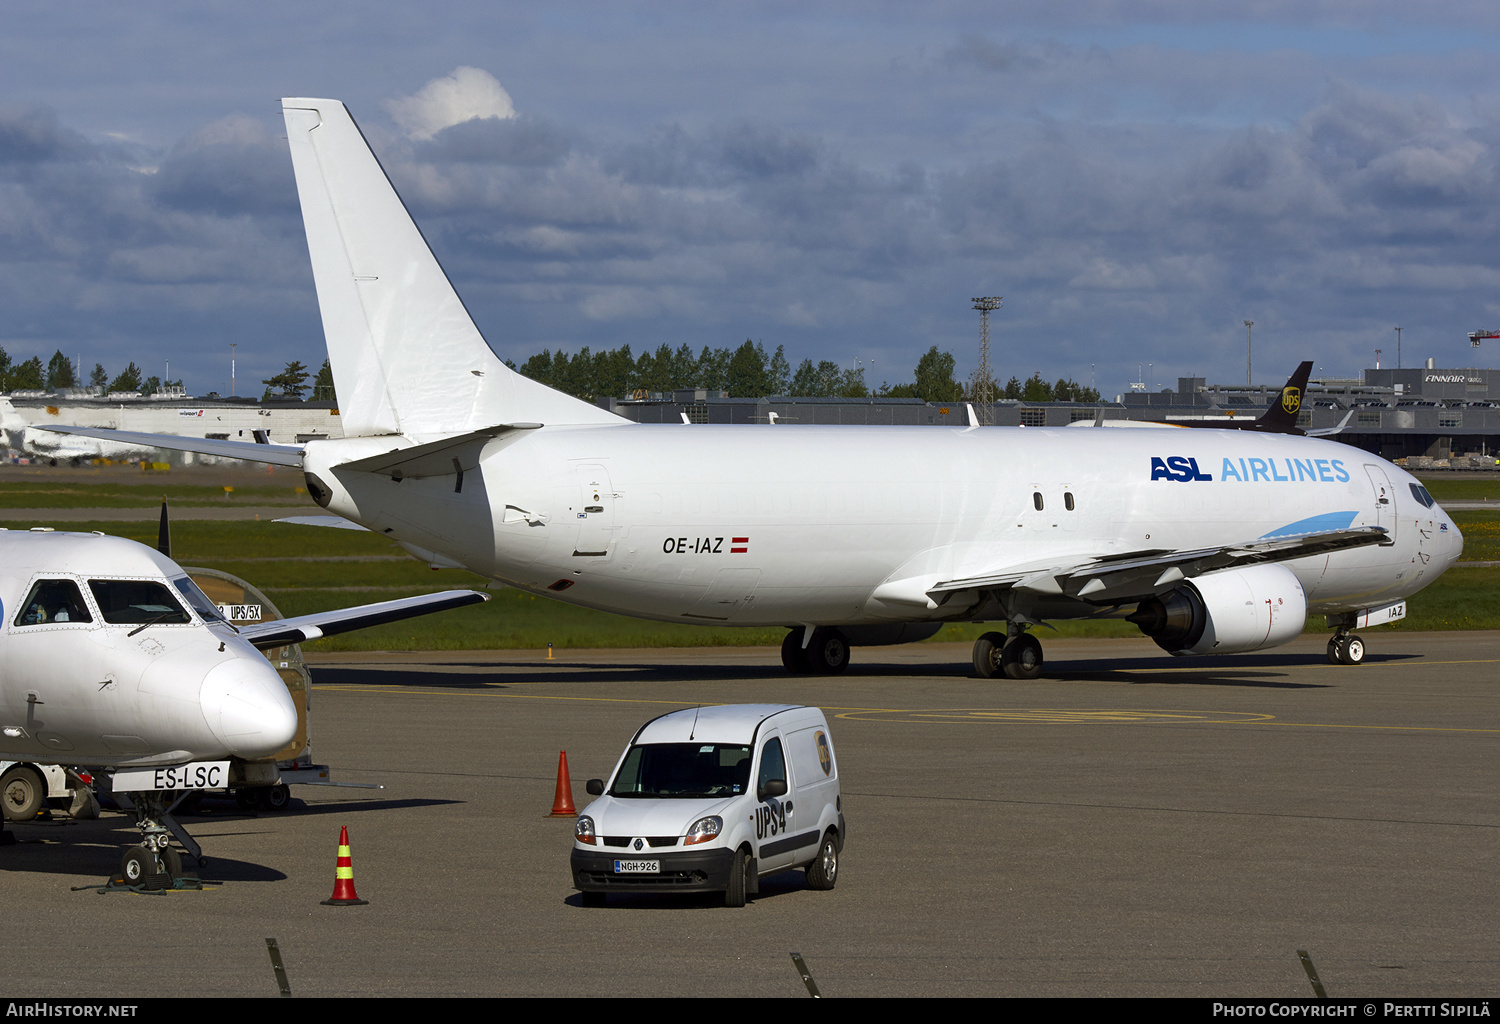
{"x":712,"y":799}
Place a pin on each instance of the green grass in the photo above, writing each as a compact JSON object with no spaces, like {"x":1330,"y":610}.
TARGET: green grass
{"x":1462,"y":598}
{"x":1457,"y":488}
{"x":1481,"y":532}
{"x":55,"y":494}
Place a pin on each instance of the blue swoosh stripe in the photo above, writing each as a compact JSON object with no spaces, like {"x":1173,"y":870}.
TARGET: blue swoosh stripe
{"x":1314,"y":524}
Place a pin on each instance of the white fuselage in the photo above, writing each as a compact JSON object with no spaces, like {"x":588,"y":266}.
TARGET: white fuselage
{"x":78,"y":689}
{"x":786,"y":525}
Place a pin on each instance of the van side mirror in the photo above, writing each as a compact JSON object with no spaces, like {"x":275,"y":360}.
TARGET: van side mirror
{"x":772,"y":787}
{"x":594,"y":787}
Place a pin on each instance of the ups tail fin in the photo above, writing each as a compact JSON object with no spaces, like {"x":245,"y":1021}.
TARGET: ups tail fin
{"x":1281,"y":417}
{"x":406,"y":356}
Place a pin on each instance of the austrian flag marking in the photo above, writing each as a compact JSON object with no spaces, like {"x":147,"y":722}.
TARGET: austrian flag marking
{"x":739,"y":545}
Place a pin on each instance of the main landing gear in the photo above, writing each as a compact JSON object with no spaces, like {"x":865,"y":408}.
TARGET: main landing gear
{"x":1345,"y":649}
{"x":1018,"y":656}
{"x":827,"y":654}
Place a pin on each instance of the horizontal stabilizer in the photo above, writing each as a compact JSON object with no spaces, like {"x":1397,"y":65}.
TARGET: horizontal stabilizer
{"x":334,"y":522}
{"x":279,"y":632}
{"x":276,"y":454}
{"x":436,"y":458}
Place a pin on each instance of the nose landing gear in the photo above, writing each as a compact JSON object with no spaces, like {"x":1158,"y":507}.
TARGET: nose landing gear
{"x":155,"y":864}
{"x":1345,"y":649}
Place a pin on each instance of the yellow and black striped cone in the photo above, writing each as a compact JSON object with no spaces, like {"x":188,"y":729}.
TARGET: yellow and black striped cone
{"x":343,"y":876}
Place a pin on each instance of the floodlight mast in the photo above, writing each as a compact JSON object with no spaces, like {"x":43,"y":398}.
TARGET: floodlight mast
{"x":1248,"y":324}
{"x":982,"y":389}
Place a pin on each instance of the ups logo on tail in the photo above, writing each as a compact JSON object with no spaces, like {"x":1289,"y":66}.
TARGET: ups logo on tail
{"x":1291,"y":399}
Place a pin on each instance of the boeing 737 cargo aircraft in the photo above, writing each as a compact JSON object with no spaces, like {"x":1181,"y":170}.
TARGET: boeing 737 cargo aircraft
{"x":1213,"y":541}
{"x":111,"y":656}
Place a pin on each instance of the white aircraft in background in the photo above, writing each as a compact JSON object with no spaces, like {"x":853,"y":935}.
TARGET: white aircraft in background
{"x":21,"y":436}
{"x":110,"y":656}
{"x":1213,"y":541}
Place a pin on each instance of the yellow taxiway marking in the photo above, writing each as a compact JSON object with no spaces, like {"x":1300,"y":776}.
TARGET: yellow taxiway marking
{"x":1057,"y":716}
{"x":956,"y":716}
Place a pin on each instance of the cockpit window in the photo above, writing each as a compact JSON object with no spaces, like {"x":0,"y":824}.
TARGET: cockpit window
{"x":53,"y":601}
{"x":133,"y":602}
{"x":198,"y":600}
{"x":1420,"y":493}
{"x":683,"y":770}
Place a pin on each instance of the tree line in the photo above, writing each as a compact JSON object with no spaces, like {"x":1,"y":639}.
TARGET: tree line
{"x":750,"y":372}
{"x":59,"y":374}
{"x":745,"y":372}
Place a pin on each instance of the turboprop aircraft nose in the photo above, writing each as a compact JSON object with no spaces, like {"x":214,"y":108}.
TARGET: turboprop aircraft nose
{"x":248,"y":708}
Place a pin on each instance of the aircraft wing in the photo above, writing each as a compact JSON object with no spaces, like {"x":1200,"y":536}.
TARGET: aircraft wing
{"x":276,"y":454}
{"x":1138,"y":574}
{"x":279,"y":632}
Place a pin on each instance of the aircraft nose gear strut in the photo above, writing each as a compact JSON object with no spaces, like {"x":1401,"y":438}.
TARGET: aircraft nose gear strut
{"x":155,"y":863}
{"x":1344,"y":648}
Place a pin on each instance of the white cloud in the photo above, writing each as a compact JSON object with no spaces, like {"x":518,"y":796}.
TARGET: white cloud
{"x":466,"y":95}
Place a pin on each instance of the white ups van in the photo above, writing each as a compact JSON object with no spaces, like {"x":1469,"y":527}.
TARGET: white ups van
{"x":712,"y":799}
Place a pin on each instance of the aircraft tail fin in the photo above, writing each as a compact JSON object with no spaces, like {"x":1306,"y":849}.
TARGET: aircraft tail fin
{"x":1281,"y":417}
{"x":406,"y":356}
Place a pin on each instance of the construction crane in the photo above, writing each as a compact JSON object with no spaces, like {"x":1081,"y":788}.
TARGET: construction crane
{"x":1475,"y":337}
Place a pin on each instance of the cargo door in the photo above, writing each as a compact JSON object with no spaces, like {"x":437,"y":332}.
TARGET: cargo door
{"x":594,"y":512}
{"x":731,"y":590}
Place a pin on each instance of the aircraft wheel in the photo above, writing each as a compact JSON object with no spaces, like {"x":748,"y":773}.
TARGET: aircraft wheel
{"x":276,"y":798}
{"x":734,"y":895}
{"x":794,"y":655}
{"x":171,"y":863}
{"x":987,"y":655}
{"x":1353,"y":650}
{"x":24,"y":793}
{"x":828,"y":654}
{"x":1335,"y":655}
{"x":1021,"y":657}
{"x":247,"y":797}
{"x":138,"y":867}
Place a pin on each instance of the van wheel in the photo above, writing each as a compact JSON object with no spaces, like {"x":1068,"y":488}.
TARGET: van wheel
{"x":594,"y":899}
{"x":24,"y":792}
{"x":734,"y":894}
{"x":823,"y":872}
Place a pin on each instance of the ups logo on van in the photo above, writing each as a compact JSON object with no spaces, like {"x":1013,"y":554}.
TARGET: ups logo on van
{"x":825,"y":756}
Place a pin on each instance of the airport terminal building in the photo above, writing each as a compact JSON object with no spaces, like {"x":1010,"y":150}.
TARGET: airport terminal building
{"x":1426,"y":413}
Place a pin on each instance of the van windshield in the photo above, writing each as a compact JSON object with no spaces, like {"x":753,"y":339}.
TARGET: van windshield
{"x":683,"y":770}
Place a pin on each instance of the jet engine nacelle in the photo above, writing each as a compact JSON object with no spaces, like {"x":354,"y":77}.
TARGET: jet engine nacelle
{"x":1226,"y":612}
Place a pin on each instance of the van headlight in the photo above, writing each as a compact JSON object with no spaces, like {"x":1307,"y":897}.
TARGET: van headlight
{"x":583,"y":831}
{"x":704,"y":829}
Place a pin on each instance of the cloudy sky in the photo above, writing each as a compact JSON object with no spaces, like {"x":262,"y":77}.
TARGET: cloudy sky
{"x":1135,"y":178}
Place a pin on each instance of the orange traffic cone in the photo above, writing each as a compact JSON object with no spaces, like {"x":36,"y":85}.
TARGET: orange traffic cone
{"x":562,"y":803}
{"x":343,"y":876}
